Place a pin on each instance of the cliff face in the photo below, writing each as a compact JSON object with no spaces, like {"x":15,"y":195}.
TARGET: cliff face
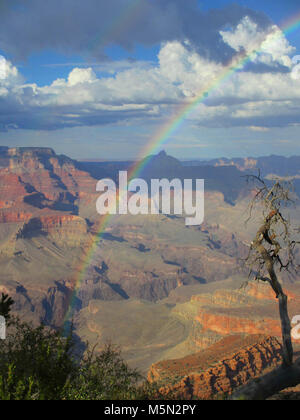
{"x":34,"y":179}
{"x":51,"y":251}
{"x":40,"y":191}
{"x":218,"y":370}
{"x":65,"y":230}
{"x":252,"y":310}
{"x":42,"y":234}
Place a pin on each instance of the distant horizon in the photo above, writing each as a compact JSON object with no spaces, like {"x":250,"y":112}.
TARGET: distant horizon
{"x":182,"y":159}
{"x":137,"y":158}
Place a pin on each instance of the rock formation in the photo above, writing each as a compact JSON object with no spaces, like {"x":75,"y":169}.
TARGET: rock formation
{"x":52,"y":256}
{"x":219,"y":370}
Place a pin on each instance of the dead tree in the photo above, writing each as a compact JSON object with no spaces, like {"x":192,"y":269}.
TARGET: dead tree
{"x":272,"y":250}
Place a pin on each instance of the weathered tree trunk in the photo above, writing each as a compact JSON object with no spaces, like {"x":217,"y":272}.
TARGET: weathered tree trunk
{"x":263,"y":235}
{"x":288,"y":352}
{"x":266,"y":257}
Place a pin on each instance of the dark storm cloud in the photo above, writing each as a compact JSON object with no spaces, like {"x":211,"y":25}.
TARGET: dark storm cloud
{"x":87,"y":27}
{"x":15,"y":113}
{"x":37,"y":119}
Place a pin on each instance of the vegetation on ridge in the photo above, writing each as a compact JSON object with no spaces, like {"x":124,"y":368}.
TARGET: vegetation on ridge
{"x":37,"y":363}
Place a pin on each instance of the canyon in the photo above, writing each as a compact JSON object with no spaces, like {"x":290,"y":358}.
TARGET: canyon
{"x":148,"y":283}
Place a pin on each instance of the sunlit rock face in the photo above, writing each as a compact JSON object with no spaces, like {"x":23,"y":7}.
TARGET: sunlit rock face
{"x":167,"y":290}
{"x":220,"y":369}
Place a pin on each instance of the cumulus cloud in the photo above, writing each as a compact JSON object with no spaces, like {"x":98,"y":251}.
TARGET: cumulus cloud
{"x":271,"y":45}
{"x":80,"y":76}
{"x":9,"y":74}
{"x":184,"y":67}
{"x":182,"y":74}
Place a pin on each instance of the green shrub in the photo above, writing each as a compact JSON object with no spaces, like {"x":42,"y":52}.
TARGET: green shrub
{"x":37,"y":363}
{"x":103,"y":377}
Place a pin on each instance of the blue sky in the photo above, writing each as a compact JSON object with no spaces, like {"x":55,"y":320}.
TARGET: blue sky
{"x":99,"y":79}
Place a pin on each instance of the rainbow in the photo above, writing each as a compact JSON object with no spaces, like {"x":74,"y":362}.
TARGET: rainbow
{"x":163,"y":134}
{"x":291,"y":25}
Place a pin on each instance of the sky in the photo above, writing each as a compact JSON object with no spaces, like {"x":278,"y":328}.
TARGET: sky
{"x":100,"y":79}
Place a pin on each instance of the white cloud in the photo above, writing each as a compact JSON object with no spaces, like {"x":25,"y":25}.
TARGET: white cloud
{"x":259,"y":129}
{"x":2,"y":68}
{"x":185,"y":68}
{"x":245,"y":36}
{"x":256,"y":100}
{"x":277,"y":47}
{"x":271,"y":46}
{"x":78,"y":76}
{"x":9,"y":74}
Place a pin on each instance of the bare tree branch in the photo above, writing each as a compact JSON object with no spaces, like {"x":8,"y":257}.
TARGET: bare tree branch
{"x":273,"y":246}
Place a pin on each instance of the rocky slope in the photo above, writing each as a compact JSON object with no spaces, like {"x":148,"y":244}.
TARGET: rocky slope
{"x":141,"y":267}
{"x":249,"y":310}
{"x":220,"y":369}
{"x":170,"y":329}
{"x":32,"y":179}
{"x":47,"y":209}
{"x":42,"y":234}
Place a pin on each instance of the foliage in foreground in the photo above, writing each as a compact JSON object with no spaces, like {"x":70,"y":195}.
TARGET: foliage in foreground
{"x":40,"y":364}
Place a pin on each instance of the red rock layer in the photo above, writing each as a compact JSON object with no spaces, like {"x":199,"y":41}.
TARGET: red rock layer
{"x":203,"y":382}
{"x":253,"y":310}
